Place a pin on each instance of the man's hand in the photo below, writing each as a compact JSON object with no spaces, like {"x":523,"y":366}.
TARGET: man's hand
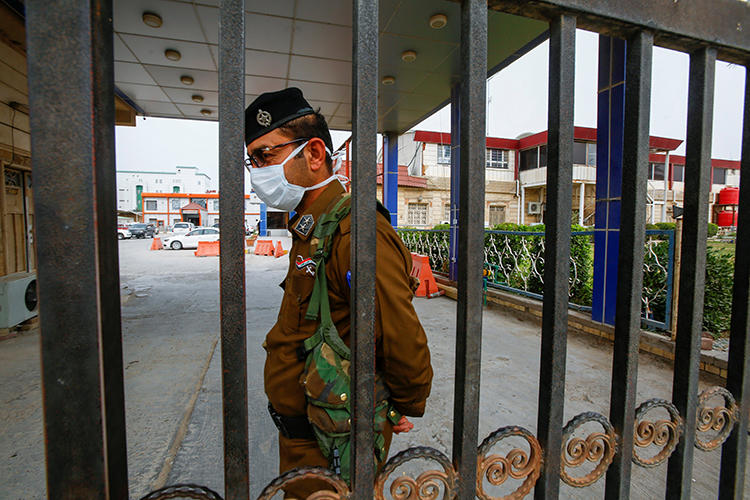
{"x":403,"y":425}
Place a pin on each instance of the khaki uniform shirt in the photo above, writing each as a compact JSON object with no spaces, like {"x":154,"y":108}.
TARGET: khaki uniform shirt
{"x":402,"y":355}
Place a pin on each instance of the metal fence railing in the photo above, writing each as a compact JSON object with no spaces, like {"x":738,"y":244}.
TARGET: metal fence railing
{"x":514,"y":262}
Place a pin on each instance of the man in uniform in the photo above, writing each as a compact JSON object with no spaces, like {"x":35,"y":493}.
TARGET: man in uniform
{"x":289,"y":148}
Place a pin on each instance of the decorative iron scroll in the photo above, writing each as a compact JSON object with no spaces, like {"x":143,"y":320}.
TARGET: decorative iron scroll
{"x":517,"y":464}
{"x":433,"y":243}
{"x":718,"y":418}
{"x":596,"y":447}
{"x":183,"y":491}
{"x":340,"y":490}
{"x":426,"y":486}
{"x":664,"y":433}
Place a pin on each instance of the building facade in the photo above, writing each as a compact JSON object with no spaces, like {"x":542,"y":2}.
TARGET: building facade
{"x":516,"y":178}
{"x":131,"y":184}
{"x":202,"y":209}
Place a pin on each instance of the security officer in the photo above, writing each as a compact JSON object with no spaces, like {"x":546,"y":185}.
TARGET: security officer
{"x":291,"y":168}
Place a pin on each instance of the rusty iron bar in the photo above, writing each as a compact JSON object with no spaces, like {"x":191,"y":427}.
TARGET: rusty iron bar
{"x":60,"y":54}
{"x":557,"y":252}
{"x":692,"y":276}
{"x":630,"y":268}
{"x":364,"y":202}
{"x":470,"y":244}
{"x":232,"y":243}
{"x":108,"y":251}
{"x":732,"y":478}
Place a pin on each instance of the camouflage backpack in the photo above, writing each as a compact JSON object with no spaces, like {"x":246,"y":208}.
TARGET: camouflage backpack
{"x":326,"y":377}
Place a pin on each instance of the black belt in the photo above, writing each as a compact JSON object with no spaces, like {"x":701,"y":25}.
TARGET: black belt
{"x":291,"y":427}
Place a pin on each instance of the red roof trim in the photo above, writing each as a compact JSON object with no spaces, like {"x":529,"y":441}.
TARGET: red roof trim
{"x":680,"y":160}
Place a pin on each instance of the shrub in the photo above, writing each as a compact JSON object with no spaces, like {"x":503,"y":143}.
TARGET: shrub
{"x":665,"y":226}
{"x":717,"y":302}
{"x":713,"y":229}
{"x":442,"y":226}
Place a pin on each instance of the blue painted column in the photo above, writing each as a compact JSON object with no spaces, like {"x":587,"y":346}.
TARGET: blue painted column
{"x":390,"y":175}
{"x":455,"y":164}
{"x":263,"y":220}
{"x":609,"y":146}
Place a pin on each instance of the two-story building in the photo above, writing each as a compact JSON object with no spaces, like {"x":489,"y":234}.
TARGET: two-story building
{"x":202,"y":209}
{"x":131,"y":184}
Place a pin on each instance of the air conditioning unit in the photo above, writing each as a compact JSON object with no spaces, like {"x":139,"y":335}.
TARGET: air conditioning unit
{"x":535,"y":207}
{"x":18,"y":299}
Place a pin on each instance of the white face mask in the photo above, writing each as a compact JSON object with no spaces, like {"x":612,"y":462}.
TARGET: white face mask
{"x":272,"y":187}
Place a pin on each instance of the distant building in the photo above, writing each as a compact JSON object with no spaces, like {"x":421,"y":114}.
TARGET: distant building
{"x":202,"y":209}
{"x":516,"y":178}
{"x":131,"y":184}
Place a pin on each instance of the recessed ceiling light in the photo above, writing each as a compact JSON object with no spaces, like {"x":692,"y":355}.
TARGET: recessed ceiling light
{"x":388,"y":80}
{"x":197,"y":98}
{"x":206,"y":112}
{"x":438,"y":21}
{"x":172,"y":55}
{"x":408,"y":56}
{"x":152,"y":19}
{"x":187,"y":79}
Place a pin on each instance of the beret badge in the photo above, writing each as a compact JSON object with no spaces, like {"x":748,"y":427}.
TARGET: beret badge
{"x":263,"y":118}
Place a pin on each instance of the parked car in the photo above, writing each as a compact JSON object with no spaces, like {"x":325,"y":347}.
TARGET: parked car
{"x":154,"y":228}
{"x":123,"y":233}
{"x":191,"y":238}
{"x":182,"y":227}
{"x":140,"y":230}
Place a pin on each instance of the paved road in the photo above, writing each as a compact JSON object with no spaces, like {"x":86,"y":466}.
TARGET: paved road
{"x":173,"y":381}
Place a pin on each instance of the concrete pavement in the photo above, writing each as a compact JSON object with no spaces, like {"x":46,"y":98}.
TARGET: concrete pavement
{"x":173,"y":381}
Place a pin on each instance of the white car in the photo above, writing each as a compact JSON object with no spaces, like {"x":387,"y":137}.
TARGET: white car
{"x":191,"y":239}
{"x":182,"y":227}
{"x":123,"y":234}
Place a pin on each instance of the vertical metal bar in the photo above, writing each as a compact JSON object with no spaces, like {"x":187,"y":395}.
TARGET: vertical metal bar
{"x":107,"y":246}
{"x":364,"y":172}
{"x":731,"y":482}
{"x":670,"y":279}
{"x":630,"y":268}
{"x":556,"y":252}
{"x":232,"y":243}
{"x":692,"y":272}
{"x":59,"y":64}
{"x":455,"y":176}
{"x":470,"y":243}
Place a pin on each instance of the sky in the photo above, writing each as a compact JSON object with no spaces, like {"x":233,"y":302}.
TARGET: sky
{"x":516,"y":104}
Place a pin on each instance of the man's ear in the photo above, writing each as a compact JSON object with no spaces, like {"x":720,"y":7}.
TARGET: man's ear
{"x":316,"y":154}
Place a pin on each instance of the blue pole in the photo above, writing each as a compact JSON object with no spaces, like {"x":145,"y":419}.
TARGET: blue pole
{"x":263,"y":220}
{"x":455,"y":164}
{"x":390,"y":175}
{"x":609,"y":146}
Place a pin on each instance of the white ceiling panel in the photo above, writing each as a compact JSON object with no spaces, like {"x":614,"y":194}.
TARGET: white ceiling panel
{"x":194,"y":110}
{"x":150,"y":50}
{"x":326,"y":11}
{"x":261,"y":32}
{"x":159,"y":108}
{"x":122,"y":53}
{"x":258,"y":84}
{"x":323,"y":91}
{"x":179,"y":19}
{"x":322,"y":40}
{"x":142,"y":92}
{"x":327,"y":108}
{"x":132,"y":73}
{"x":320,"y":70}
{"x":170,"y":77}
{"x":185,"y":96}
{"x":283,"y":8}
{"x":261,"y":63}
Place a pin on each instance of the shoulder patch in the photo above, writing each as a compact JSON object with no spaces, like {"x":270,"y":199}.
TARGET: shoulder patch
{"x":304,"y":224}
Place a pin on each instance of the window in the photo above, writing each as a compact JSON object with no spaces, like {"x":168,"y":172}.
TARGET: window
{"x":678,"y":173}
{"x":175,"y":203}
{"x":175,"y":189}
{"x":216,"y":205}
{"x":444,"y":153}
{"x":496,"y":158}
{"x":591,"y":156}
{"x":199,"y":201}
{"x":542,"y":156}
{"x":417,"y":214}
{"x":151,"y":205}
{"x":656,"y":172}
{"x":497,"y":215}
{"x":720,"y":176}
{"x":529,"y":159}
{"x":447,"y":212}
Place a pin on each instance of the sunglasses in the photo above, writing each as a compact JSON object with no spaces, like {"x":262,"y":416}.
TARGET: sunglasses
{"x":261,"y":156}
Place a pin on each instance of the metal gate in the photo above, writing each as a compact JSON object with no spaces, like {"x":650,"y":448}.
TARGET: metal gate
{"x":70,"y":59}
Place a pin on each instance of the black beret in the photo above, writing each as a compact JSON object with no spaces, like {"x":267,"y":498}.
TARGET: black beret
{"x":273,"y":109}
